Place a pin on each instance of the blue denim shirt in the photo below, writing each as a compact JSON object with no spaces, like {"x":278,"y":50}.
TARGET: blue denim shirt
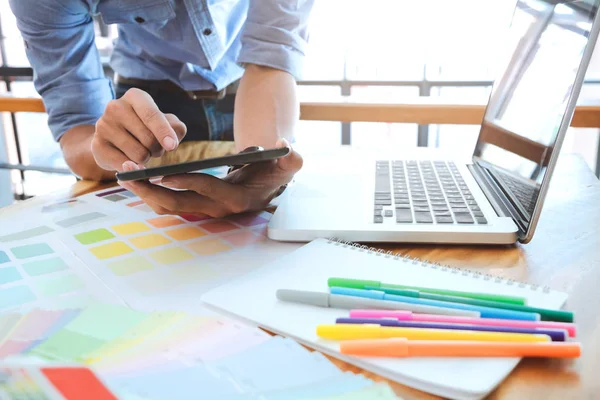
{"x":197,"y":44}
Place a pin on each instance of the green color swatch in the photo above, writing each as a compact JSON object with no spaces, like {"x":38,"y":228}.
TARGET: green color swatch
{"x":60,"y":285}
{"x":95,"y":325}
{"x":8,"y":275}
{"x":15,"y":296}
{"x":66,"y":345}
{"x":32,"y":250}
{"x":94,"y":236}
{"x":23,"y":235}
{"x":41,"y":267}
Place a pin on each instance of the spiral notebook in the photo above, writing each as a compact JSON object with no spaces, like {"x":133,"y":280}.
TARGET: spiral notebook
{"x":252,"y":298}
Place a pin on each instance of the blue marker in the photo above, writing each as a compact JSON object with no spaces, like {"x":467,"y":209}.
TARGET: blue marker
{"x":486,"y":312}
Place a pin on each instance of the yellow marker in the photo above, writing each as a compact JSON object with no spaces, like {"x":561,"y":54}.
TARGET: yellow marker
{"x":354,"y":331}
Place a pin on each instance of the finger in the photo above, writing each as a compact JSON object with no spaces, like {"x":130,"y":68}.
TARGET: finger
{"x":291,"y":163}
{"x":134,"y":125}
{"x":178,"y":126}
{"x":120,"y":138}
{"x":232,"y":196}
{"x":148,"y":112}
{"x":184,"y":202}
{"x":120,"y":113}
{"x":107,"y":156}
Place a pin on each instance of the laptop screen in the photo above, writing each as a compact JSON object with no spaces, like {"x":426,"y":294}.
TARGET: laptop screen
{"x":530,"y":97}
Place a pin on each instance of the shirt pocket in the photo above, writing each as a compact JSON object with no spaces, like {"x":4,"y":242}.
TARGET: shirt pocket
{"x":154,"y":16}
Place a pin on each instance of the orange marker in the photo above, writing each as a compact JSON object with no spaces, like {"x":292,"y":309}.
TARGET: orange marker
{"x":452,"y":348}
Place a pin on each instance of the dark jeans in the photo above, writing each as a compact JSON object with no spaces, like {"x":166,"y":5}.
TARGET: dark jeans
{"x":206,"y":119}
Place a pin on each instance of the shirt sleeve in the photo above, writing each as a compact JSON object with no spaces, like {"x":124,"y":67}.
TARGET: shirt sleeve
{"x":68,"y":74}
{"x":276,"y":34}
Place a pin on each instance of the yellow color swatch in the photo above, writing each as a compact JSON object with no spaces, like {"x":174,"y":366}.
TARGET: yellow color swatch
{"x":209,"y":247}
{"x":171,"y":255}
{"x":149,"y":241}
{"x":185,"y":233}
{"x":131,"y":228}
{"x":130,"y":266}
{"x":110,"y":250}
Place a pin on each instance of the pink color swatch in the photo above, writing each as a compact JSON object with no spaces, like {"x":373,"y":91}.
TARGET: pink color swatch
{"x":248,"y":219}
{"x":244,"y":238}
{"x":218,"y":226}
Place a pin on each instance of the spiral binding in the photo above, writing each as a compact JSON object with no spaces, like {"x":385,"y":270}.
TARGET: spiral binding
{"x":435,"y":266}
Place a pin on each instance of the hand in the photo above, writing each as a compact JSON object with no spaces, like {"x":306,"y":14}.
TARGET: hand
{"x":250,"y":188}
{"x":134,"y":129}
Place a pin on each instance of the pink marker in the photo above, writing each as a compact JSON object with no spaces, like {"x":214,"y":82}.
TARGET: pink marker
{"x":510,"y":323}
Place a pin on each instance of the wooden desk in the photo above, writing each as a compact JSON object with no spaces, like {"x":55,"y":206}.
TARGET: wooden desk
{"x":564,"y":254}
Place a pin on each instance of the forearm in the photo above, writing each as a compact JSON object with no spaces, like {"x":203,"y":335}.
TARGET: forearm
{"x":266,"y":107}
{"x":76,"y":145}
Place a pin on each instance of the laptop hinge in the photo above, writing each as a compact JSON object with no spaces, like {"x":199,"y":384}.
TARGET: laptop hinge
{"x":497,"y":198}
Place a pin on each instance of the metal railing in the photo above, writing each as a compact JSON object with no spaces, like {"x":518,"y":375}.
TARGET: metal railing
{"x":10,"y":74}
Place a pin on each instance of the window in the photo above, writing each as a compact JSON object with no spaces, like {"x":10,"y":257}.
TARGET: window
{"x":387,"y":49}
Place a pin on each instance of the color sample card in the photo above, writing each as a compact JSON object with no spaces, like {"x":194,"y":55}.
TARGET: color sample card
{"x":167,"y":261}
{"x":31,"y":250}
{"x":111,"y":246}
{"x":105,"y":352}
{"x":42,"y":271}
{"x":52,"y":382}
{"x":79,"y":219}
{"x":27,"y":234}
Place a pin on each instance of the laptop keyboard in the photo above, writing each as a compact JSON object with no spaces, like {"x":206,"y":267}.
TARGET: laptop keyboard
{"x":423,"y":192}
{"x":525,"y":194}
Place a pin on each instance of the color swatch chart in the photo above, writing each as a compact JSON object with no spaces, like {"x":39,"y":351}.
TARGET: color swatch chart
{"x":129,"y":254}
{"x":51,"y":382}
{"x":165,"y":262}
{"x":175,"y":355}
{"x":36,"y":272}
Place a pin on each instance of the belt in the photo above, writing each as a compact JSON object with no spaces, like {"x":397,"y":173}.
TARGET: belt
{"x":169,"y":86}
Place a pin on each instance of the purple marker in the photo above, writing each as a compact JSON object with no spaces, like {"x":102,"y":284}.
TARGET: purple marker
{"x":556,"y":335}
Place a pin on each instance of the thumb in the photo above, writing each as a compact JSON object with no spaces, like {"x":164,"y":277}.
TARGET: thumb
{"x":292,"y":162}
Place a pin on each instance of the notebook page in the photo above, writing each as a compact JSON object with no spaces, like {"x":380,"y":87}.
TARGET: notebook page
{"x":308,"y":268}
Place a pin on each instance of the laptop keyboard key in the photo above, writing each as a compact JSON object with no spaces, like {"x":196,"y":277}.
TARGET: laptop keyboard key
{"x":389,"y":213}
{"x":377,"y":213}
{"x":404,"y":215}
{"x":463,"y":218}
{"x":481,"y":220}
{"x":478,"y":213}
{"x":383,"y":202}
{"x":444,"y":219}
{"x":423,"y":217}
{"x":378,"y":207}
{"x":378,"y":219}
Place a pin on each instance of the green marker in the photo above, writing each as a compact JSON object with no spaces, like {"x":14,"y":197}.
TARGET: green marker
{"x":361,"y":284}
{"x":545,"y":314}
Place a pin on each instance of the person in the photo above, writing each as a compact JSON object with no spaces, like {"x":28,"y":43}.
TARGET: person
{"x":181,"y":69}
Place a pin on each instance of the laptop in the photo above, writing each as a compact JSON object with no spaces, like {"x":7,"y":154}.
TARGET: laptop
{"x":496,"y":196}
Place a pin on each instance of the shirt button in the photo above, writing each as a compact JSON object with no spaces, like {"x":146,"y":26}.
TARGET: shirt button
{"x":207,"y":32}
{"x":139,"y":20}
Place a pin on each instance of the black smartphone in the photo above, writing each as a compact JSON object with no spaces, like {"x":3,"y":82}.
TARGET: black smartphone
{"x":244,"y":158}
